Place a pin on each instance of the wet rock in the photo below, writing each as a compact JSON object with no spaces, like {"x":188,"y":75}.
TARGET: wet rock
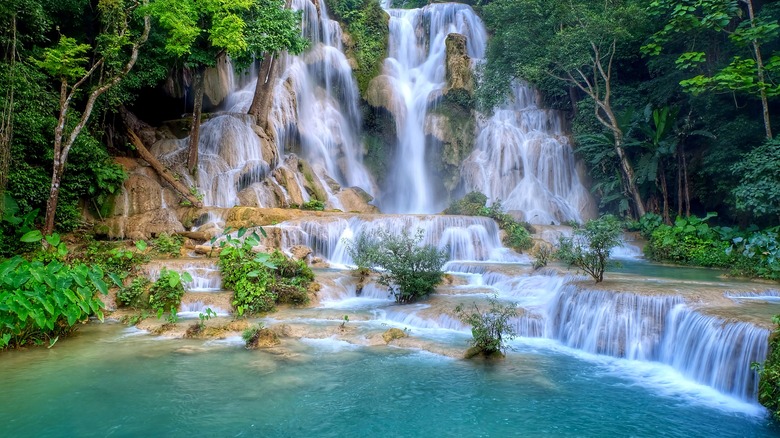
{"x":355,"y":199}
{"x":300,"y":252}
{"x":393,"y":334}
{"x":458,"y":64}
{"x":216,"y":82}
{"x":263,"y":338}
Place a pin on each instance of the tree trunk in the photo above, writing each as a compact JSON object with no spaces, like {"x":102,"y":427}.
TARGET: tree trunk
{"x":7,"y":122}
{"x":264,"y":91}
{"x":628,"y":174}
{"x":664,"y":193}
{"x":686,"y":187}
{"x":760,"y":69}
{"x":51,"y":204}
{"x":162,"y":170}
{"x":192,"y":155}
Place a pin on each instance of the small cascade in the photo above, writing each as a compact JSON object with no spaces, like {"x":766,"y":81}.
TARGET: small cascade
{"x":523,"y":158}
{"x":204,"y":272}
{"x":315,"y":108}
{"x":662,"y":329}
{"x":194,"y":309}
{"x":416,"y":71}
{"x":465,"y":237}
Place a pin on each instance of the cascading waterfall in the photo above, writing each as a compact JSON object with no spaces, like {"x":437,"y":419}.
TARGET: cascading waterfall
{"x":523,"y":158}
{"x":417,"y":71}
{"x":315,"y":107}
{"x":465,"y":237}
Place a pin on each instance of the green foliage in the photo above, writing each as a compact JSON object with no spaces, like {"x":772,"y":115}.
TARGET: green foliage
{"x":367,"y":25}
{"x":490,"y":328}
{"x":132,"y":295}
{"x":542,"y":255}
{"x":589,"y":247}
{"x":66,"y":60}
{"x":314,"y":205}
{"x":260,"y":280}
{"x":408,"y":269}
{"x":165,"y":294}
{"x":362,"y":249}
{"x":251,"y":335}
{"x":757,"y":255}
{"x":769,"y":374}
{"x":473,"y":204}
{"x":690,"y":241}
{"x":44,"y":300}
{"x":167,"y":245}
{"x":758,"y":191}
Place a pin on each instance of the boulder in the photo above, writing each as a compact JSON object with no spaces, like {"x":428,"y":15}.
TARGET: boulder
{"x":355,"y":199}
{"x":216,"y":82}
{"x":458,"y":65}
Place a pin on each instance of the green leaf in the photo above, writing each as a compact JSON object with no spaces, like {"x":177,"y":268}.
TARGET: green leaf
{"x":53,"y":239}
{"x":32,"y":236}
{"x":141,"y":245}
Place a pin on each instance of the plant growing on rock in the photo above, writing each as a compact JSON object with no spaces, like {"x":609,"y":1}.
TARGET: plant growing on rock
{"x":517,"y":234}
{"x":589,"y":247}
{"x":165,"y":294}
{"x":490,"y":328}
{"x":260,"y":280}
{"x":409,"y":270}
{"x":132,"y":294}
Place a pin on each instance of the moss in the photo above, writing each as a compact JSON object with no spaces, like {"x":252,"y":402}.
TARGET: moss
{"x":456,"y":108}
{"x":769,"y":374}
{"x":367,"y":25}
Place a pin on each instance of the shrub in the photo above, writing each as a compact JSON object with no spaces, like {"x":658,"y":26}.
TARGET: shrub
{"x":260,"y":280}
{"x":589,"y":247}
{"x":690,"y":241}
{"x":542,"y":255}
{"x":409,"y":270}
{"x":314,"y":205}
{"x":490,"y":329}
{"x":165,"y":294}
{"x":769,"y":374}
{"x":42,"y":301}
{"x":517,"y":236}
{"x":167,"y":245}
{"x":132,"y":294}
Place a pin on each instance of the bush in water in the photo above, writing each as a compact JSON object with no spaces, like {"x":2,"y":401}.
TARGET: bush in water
{"x":409,"y":269}
{"x":589,"y":247}
{"x":165,"y":294}
{"x":260,"y":280}
{"x":490,"y":328}
{"x":474,"y":204}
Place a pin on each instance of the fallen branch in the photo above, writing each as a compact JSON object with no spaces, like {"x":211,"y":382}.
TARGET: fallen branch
{"x":161,"y":170}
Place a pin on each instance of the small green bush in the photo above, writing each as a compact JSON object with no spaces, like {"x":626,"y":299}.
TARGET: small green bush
{"x":260,"y":280}
{"x":167,"y":245}
{"x":517,"y":236}
{"x":314,"y":205}
{"x":409,"y":270}
{"x":589,"y":247}
{"x":165,"y":294}
{"x":491,"y":328}
{"x":132,"y":295}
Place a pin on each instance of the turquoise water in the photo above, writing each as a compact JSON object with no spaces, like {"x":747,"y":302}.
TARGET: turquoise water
{"x":109,"y":382}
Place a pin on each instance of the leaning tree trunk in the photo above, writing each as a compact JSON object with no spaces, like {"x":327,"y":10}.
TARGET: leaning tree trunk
{"x":628,"y":173}
{"x":7,"y":122}
{"x":192,"y":154}
{"x":264,"y":91}
{"x":760,"y":71}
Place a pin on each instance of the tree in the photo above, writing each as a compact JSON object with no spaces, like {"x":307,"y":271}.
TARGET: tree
{"x":409,"y":269}
{"x":744,"y":28}
{"x":758,"y":192}
{"x":491,"y":328}
{"x":201,"y":32}
{"x":116,"y":51}
{"x":589,"y":247}
{"x":578,"y":44}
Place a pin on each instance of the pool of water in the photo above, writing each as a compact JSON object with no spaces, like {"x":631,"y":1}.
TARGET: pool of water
{"x":113,"y":381}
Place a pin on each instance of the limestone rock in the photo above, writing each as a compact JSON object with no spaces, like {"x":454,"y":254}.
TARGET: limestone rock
{"x":216,"y":82}
{"x":263,"y":338}
{"x":381,"y":94}
{"x":300,"y":252}
{"x":355,"y":199}
{"x":143,"y":226}
{"x":393,"y":334}
{"x":458,"y":64}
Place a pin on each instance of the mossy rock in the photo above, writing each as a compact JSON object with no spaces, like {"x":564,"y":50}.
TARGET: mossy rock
{"x":263,"y":338}
{"x":393,"y":334}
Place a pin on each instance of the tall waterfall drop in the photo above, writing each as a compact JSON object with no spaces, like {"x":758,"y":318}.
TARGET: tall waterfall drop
{"x":521,"y":156}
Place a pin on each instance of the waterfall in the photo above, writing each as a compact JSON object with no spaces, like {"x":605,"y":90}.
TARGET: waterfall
{"x":523,"y":158}
{"x":464,"y":237}
{"x":416,"y":68}
{"x":315,"y":108}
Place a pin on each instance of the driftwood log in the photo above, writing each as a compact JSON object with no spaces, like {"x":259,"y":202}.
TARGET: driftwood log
{"x":161,"y":170}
